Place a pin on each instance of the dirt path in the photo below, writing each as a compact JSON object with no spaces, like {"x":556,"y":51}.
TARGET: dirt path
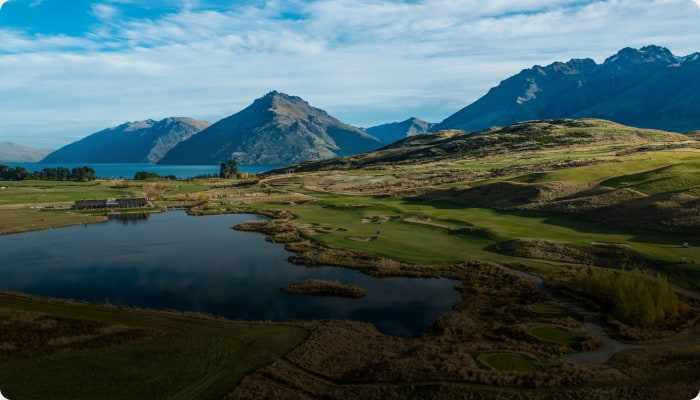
{"x":611,"y":346}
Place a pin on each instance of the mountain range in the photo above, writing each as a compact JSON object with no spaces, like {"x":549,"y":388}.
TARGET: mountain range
{"x":13,"y":152}
{"x":133,"y":142}
{"x":647,"y":88}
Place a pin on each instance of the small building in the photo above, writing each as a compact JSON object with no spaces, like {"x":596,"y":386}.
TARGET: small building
{"x":137,"y":202}
{"x":90,"y":204}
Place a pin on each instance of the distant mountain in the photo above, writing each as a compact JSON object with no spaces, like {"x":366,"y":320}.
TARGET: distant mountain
{"x":12,"y":152}
{"x":390,"y":133}
{"x":648,"y":88}
{"x":275,"y":129}
{"x":133,"y":142}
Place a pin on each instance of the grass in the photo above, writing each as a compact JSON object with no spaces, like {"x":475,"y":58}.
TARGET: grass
{"x":424,"y":243}
{"x":554,"y":334}
{"x":26,"y":219}
{"x":171,"y":357}
{"x":671,"y":178}
{"x":508,"y":362}
{"x":623,"y":166}
{"x":549,"y":310}
{"x":44,"y":192}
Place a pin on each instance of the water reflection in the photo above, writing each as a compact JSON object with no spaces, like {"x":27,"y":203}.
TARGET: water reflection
{"x":132,"y":217}
{"x":172,"y":261}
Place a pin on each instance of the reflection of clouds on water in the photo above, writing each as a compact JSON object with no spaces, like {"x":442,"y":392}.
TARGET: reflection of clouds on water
{"x":200,"y":264}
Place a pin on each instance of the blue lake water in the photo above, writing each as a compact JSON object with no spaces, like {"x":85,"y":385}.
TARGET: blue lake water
{"x":129,"y":170}
{"x":175,"y":261}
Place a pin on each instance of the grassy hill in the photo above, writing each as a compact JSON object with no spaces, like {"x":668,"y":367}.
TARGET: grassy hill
{"x":593,"y":169}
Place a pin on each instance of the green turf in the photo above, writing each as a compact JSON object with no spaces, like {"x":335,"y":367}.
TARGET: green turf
{"x":554,"y":334}
{"x":186,"y":358}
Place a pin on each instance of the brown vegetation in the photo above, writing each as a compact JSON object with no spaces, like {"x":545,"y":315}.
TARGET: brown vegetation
{"x":317,"y":287}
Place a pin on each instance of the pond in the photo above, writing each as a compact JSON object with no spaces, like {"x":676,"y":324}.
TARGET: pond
{"x":200,"y":264}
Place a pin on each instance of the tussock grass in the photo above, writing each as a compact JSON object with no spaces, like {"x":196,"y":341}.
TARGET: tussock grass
{"x":508,"y":362}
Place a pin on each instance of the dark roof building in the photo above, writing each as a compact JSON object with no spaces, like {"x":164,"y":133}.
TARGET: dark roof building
{"x":138,"y":202}
{"x":90,"y":204}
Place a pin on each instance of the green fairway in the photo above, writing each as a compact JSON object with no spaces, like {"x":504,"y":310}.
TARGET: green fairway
{"x":148,"y":355}
{"x":554,"y":334}
{"x":508,"y":362}
{"x":442,"y":233}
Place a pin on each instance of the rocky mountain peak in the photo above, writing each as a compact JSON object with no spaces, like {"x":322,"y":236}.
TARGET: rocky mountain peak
{"x":647,"y":88}
{"x":646,"y":55}
{"x":275,"y":129}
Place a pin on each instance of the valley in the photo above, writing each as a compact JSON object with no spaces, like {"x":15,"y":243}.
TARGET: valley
{"x":515,"y":214}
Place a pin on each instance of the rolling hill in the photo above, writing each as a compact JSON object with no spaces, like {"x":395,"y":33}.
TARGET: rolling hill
{"x":592,"y":169}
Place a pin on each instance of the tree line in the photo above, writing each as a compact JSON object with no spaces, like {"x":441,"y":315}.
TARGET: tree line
{"x":77,"y":174}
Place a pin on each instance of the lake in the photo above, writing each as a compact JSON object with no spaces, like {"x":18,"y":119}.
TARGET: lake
{"x":129,"y":170}
{"x":175,"y":261}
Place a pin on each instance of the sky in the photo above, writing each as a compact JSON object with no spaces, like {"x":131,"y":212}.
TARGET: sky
{"x":69,"y":68}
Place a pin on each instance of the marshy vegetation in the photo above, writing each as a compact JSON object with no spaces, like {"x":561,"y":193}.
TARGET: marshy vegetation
{"x":317,"y":287}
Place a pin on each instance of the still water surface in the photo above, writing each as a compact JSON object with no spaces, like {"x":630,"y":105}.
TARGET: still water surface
{"x":128,"y":171}
{"x":175,"y":261}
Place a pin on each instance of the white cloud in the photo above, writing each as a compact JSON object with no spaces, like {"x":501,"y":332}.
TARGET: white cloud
{"x":366,"y":62}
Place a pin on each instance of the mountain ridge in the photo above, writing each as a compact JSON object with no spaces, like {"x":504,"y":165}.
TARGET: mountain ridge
{"x":393,"y":131}
{"x":13,"y":152}
{"x":647,"y":88}
{"x":132,"y":142}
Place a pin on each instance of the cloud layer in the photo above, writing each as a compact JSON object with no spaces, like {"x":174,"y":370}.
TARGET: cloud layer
{"x":365,"y":62}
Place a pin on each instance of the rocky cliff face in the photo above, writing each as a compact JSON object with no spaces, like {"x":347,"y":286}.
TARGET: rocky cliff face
{"x":648,"y":87}
{"x":277,"y":129}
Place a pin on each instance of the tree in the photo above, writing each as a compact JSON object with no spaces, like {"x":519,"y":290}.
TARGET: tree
{"x":229,"y":169}
{"x":82,"y":174}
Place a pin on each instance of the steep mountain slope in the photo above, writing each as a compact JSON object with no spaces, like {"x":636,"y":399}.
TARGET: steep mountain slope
{"x":649,"y":88}
{"x":275,"y":129}
{"x":12,"y":152}
{"x":390,"y":133}
{"x":133,"y":142}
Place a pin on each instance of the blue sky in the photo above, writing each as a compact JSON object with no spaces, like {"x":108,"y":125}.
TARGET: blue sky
{"x":73,"y":67}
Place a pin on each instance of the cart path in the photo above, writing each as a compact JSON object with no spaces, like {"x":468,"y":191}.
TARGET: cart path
{"x":593,"y":324}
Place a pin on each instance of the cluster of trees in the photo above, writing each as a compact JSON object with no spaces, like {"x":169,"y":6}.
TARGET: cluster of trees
{"x":77,"y":174}
{"x":152,"y":176}
{"x":632,"y":297}
{"x":228,"y":169}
